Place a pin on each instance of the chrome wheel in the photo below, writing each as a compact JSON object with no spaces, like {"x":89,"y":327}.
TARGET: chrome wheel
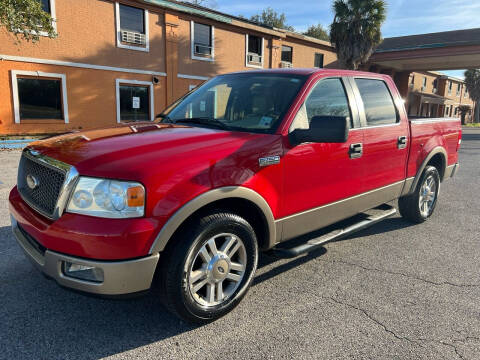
{"x":217,"y":269}
{"x":428,"y":196}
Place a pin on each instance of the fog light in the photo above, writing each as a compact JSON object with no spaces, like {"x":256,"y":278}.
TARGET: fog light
{"x":83,"y":272}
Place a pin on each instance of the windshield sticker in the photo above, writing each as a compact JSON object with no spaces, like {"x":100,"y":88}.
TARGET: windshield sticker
{"x":265,"y":122}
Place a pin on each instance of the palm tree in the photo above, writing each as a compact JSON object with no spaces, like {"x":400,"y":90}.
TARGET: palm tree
{"x":464,"y":110}
{"x":472,"y":82}
{"x":355,"y":30}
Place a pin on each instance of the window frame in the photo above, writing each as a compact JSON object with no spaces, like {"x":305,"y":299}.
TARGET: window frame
{"x":361,"y":105}
{"x":192,"y":42}
{"x":291,"y":52}
{"x":262,"y":55}
{"x":355,"y":122}
{"x":38,"y":74}
{"x":53,"y":14}
{"x":145,"y":48}
{"x":315,"y":59}
{"x":119,"y":82}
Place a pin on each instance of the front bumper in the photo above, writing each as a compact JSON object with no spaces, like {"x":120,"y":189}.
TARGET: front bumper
{"x":120,"y":277}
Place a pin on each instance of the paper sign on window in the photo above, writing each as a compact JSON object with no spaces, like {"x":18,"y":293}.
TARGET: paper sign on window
{"x":135,"y":102}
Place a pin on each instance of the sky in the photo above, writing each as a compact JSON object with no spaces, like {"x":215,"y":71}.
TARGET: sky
{"x":404,"y":17}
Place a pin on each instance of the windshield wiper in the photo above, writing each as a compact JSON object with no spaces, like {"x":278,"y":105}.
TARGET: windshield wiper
{"x":203,"y":121}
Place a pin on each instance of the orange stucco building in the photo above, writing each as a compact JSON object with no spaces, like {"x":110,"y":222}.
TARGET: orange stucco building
{"x":433,"y":94}
{"x":126,"y":60}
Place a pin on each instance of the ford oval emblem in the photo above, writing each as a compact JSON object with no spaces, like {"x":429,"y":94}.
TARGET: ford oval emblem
{"x":32,"y":182}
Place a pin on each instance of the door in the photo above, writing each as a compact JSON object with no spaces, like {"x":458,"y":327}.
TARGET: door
{"x":318,"y":174}
{"x":386,"y":135}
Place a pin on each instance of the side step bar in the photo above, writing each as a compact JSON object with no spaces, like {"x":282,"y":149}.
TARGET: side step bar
{"x":372,"y":217}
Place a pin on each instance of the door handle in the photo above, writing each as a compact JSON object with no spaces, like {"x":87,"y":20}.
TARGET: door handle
{"x":355,"y":151}
{"x":402,"y":142}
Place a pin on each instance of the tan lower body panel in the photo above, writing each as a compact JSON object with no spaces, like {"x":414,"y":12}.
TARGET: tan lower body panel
{"x":307,"y":221}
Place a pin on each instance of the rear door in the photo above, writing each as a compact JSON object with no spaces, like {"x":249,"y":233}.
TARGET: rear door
{"x":385,"y":136}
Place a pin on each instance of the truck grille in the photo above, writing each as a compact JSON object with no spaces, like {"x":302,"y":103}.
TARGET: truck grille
{"x":48,"y":181}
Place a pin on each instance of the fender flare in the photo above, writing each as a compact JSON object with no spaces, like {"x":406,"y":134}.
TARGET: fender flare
{"x":431,"y":154}
{"x":206,"y":198}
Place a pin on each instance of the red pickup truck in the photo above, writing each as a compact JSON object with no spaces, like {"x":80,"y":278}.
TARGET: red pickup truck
{"x":243,"y":163}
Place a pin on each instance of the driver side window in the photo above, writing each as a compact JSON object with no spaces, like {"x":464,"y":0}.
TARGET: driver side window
{"x":328,"y":98}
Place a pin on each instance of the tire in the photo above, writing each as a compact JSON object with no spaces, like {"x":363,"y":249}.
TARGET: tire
{"x":419,"y":206}
{"x":185,"y":266}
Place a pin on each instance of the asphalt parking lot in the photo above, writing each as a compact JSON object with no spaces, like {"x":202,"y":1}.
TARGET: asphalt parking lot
{"x":394,"y":291}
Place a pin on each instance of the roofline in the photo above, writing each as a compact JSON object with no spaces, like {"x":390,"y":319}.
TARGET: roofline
{"x":431,"y":45}
{"x":233,"y":20}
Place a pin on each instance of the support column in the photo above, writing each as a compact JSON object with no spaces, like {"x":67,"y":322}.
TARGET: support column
{"x":401,"y":80}
{"x":171,"y":55}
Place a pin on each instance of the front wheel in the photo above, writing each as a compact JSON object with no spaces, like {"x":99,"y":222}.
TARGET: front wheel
{"x":209,"y":267}
{"x":419,"y":206}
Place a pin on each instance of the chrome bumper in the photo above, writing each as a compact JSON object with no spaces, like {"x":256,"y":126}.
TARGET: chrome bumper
{"x":120,"y":277}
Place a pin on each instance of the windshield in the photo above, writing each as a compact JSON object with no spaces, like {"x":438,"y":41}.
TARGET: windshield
{"x":253,"y":102}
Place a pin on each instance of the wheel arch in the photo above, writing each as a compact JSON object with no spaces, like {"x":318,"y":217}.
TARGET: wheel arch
{"x":438,"y":158}
{"x":224,"y":198}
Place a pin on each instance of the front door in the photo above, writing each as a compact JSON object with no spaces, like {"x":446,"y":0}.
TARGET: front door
{"x":319,"y":174}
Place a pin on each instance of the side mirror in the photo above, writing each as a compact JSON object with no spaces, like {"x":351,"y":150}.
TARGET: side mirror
{"x":323,"y":129}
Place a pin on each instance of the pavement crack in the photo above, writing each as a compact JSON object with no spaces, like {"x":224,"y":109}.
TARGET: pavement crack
{"x":431,"y":282}
{"x":414,"y":341}
{"x":379,"y":323}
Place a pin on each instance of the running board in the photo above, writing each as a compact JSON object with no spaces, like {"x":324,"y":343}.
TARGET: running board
{"x":373,"y":216}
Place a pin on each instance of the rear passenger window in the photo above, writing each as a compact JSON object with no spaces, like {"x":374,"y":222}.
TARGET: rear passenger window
{"x":328,"y":98}
{"x":378,"y":102}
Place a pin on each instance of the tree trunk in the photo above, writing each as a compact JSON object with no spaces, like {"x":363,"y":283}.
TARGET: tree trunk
{"x":463,"y":117}
{"x":477,"y":113}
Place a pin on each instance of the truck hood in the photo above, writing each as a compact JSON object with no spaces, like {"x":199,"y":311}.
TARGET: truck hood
{"x":144,"y":150}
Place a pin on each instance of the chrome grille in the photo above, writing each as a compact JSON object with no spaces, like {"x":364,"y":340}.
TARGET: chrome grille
{"x":44,"y":197}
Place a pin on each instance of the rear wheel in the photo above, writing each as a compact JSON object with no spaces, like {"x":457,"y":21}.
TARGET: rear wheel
{"x":209,"y":267}
{"x":419,"y":206}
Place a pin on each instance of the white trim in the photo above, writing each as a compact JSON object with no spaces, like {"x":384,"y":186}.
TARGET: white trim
{"x":134,"y":82}
{"x":79,"y":65}
{"x":119,"y":35}
{"x":192,"y":77}
{"x":246,"y":53}
{"x":191,"y":87}
{"x":53,"y":14}
{"x":192,"y":43}
{"x":16,"y":101}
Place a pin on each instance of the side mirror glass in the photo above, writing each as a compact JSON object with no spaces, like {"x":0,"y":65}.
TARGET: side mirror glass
{"x":323,"y":129}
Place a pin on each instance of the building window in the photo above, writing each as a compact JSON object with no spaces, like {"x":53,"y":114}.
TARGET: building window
{"x":459,"y":89}
{"x":134,"y":100}
{"x":465,"y":94}
{"x":38,"y":95}
{"x":254,"y":53}
{"x":132,"y":27}
{"x":435,"y":84}
{"x":424,"y":85}
{"x":318,"y":63}
{"x":450,"y":85}
{"x":378,"y":102}
{"x":202,"y":41}
{"x":49,"y":7}
{"x":287,"y":54}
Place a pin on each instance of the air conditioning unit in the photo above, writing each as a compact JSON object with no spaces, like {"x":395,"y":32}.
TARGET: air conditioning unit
{"x":202,"y":50}
{"x":286,"y":64}
{"x":254,"y":58}
{"x":410,"y":86}
{"x":424,"y":88}
{"x":133,"y":37}
{"x":435,"y":90}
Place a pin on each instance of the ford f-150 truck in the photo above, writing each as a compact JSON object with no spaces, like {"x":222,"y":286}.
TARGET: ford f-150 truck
{"x":245,"y":162}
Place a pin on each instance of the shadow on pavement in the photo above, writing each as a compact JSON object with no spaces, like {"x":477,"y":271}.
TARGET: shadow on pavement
{"x":40,"y":319}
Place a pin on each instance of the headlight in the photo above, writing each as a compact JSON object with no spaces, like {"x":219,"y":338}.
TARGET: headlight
{"x":107,"y":198}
